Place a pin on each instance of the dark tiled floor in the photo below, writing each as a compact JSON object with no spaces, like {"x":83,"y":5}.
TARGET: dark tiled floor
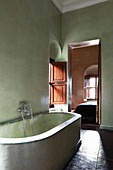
{"x":95,"y":152}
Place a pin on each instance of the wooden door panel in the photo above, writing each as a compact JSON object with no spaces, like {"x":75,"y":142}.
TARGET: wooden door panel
{"x":57,"y":83}
{"x":58,"y":72}
{"x":58,"y":94}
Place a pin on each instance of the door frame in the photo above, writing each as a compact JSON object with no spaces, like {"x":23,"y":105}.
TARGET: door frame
{"x":72,"y":46}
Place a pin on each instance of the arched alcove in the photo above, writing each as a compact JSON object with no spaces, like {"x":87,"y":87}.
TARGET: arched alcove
{"x":91,"y":70}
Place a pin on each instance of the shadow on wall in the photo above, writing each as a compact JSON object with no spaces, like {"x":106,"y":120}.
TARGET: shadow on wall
{"x":55,"y":50}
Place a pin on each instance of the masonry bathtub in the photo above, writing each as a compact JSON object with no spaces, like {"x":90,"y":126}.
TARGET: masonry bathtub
{"x":51,"y":143}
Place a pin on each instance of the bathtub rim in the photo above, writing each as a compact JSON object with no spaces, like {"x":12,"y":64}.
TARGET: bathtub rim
{"x":42,"y":136}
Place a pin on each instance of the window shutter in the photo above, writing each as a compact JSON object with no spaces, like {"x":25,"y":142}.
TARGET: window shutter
{"x":58,"y":72}
{"x":58,"y":83}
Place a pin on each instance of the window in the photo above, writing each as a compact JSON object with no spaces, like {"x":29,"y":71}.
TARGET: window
{"x":57,"y":83}
{"x":91,"y":87}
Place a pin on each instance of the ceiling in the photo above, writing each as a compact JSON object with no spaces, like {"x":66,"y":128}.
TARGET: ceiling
{"x":70,"y":5}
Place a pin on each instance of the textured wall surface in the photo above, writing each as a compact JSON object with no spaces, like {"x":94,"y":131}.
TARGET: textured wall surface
{"x":27,"y":29}
{"x":93,"y":23}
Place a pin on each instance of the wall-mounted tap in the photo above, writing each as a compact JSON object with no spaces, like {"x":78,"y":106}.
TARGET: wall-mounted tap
{"x":25,"y":107}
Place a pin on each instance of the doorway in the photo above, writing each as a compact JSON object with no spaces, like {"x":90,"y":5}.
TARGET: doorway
{"x":81,"y":56}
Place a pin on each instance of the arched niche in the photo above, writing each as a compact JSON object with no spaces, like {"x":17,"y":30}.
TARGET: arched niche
{"x":91,"y":70}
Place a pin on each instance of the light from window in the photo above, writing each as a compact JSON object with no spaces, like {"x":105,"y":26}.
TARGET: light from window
{"x":90,"y":87}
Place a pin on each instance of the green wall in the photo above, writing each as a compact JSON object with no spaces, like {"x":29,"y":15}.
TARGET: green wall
{"x":27,"y":28}
{"x":89,"y":23}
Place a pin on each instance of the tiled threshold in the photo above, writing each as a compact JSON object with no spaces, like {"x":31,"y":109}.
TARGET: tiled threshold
{"x":95,"y":152}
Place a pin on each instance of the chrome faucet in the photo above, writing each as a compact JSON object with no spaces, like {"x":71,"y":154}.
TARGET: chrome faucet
{"x":25,"y":107}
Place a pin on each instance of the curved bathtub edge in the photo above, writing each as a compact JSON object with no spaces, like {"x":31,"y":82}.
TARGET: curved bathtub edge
{"x":11,"y":141}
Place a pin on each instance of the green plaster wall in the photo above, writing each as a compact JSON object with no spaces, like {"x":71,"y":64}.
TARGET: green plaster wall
{"x":89,"y":23}
{"x":27,"y":28}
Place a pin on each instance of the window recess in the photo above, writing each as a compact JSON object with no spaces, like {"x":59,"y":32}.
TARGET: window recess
{"x":91,"y":87}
